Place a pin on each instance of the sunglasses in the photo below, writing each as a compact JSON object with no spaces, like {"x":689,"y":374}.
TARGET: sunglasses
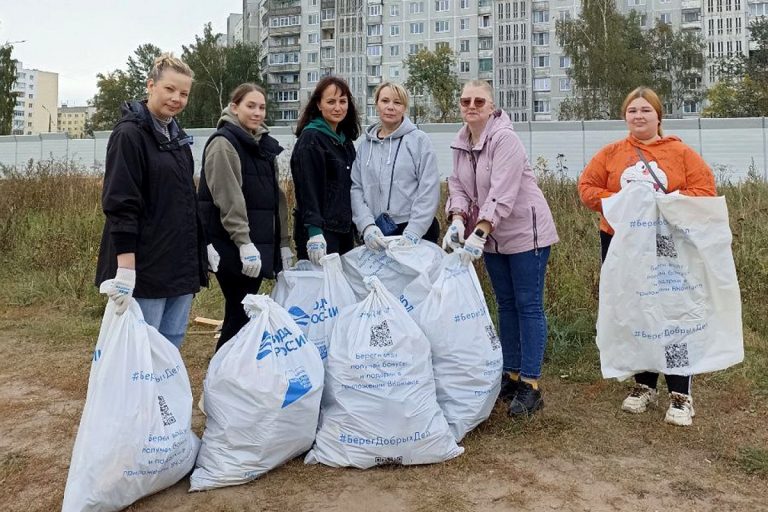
{"x":478,"y":102}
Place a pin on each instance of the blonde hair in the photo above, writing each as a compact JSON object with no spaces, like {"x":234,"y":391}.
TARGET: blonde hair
{"x":167,"y":61}
{"x":397,"y":89}
{"x":482,"y":84}
{"x":648,"y":95}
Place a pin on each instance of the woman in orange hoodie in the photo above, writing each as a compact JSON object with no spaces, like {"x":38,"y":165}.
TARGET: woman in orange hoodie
{"x":674,"y":166}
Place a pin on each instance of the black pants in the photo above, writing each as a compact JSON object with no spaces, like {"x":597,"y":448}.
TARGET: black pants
{"x":234,"y":286}
{"x":431,"y":235}
{"x":676,"y":383}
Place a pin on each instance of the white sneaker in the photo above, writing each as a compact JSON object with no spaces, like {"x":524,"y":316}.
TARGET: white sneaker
{"x":680,"y":410}
{"x":639,"y":399}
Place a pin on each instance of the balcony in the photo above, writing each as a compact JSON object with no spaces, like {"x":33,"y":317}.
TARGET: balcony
{"x":485,"y":31}
{"x":690,"y":4}
{"x":374,"y":60}
{"x":290,"y":30}
{"x":373,"y":80}
{"x":691,"y":25}
{"x":485,"y":75}
{"x":281,"y":47}
{"x":288,"y":67}
{"x":280,"y":86}
{"x":324,"y":24}
{"x":484,"y":54}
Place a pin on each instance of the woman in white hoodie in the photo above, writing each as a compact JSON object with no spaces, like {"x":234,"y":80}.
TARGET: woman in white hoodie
{"x":395,"y":181}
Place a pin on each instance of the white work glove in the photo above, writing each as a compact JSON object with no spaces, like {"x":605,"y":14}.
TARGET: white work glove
{"x":374,"y":238}
{"x":120,"y":289}
{"x":286,"y":255}
{"x":213,"y":258}
{"x":316,"y":248}
{"x":251,"y":259}
{"x":473,"y":248}
{"x":408,"y":240}
{"x":454,"y":237}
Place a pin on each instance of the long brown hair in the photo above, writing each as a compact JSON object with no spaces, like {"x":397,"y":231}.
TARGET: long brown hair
{"x":349,"y":126}
{"x":648,"y":95}
{"x":241,"y":90}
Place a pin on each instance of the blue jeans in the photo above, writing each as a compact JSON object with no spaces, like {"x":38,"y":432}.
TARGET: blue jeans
{"x":518,"y":282}
{"x":170,"y":316}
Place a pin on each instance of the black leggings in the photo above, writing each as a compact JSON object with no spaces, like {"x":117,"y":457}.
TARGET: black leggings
{"x":336,"y":242}
{"x":431,"y":235}
{"x":676,"y":383}
{"x":234,"y":286}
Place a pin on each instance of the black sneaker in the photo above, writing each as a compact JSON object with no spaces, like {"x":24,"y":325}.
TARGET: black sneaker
{"x":508,"y":388}
{"x":526,"y":401}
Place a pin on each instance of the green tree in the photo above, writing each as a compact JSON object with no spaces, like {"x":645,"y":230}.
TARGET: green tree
{"x":7,"y":94}
{"x":218,"y":70}
{"x":119,"y":86}
{"x":678,"y":62}
{"x":742,"y":87}
{"x":430,"y":73}
{"x":609,"y":57}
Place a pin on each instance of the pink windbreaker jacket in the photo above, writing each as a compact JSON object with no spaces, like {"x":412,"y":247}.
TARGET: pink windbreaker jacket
{"x":502,"y":191}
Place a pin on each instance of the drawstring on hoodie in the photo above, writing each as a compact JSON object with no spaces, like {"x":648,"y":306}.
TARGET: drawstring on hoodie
{"x":370,"y":153}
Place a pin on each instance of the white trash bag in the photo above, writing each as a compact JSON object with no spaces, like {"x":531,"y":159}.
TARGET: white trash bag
{"x":297,"y":289}
{"x":407,"y":272}
{"x":135,"y":435}
{"x":334,"y":295}
{"x":466,"y":353}
{"x":669,"y":296}
{"x":262,"y":399}
{"x":379,"y":404}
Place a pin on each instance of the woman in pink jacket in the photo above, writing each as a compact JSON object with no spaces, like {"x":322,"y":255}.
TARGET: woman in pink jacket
{"x":493,"y":192}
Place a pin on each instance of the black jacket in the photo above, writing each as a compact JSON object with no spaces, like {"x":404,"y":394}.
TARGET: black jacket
{"x":261,"y":193}
{"x":321,"y":168}
{"x":150,"y":202}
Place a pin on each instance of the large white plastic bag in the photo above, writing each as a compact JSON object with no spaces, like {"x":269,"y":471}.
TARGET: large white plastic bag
{"x":135,"y":434}
{"x":334,"y":295}
{"x":466,"y":353}
{"x":669,"y":297}
{"x":262,"y":399}
{"x":297,"y":289}
{"x":379,"y":404}
{"x":407,"y":272}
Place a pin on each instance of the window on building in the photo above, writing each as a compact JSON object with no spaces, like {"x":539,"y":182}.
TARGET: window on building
{"x":464,"y":24}
{"x":565,"y":15}
{"x":394,"y":10}
{"x":312,"y":58}
{"x":691,"y":16}
{"x":565,"y":84}
{"x":374,"y":70}
{"x":327,"y":53}
{"x":464,"y":45}
{"x":464,"y":66}
{"x":665,"y":18}
{"x":540,"y":38}
{"x":313,"y":38}
{"x":541,"y":61}
{"x":394,"y":30}
{"x":286,"y":96}
{"x":313,"y":19}
{"x":565,"y":62}
{"x":541,"y":106}
{"x":540,"y":16}
{"x":484,"y":65}
{"x":441,"y":5}
{"x":415,"y":48}
{"x":313,"y":76}
{"x":416,"y":7}
{"x":374,"y":30}
{"x":394,"y":50}
{"x":289,"y":115}
{"x":374,"y":50}
{"x":374,"y":10}
{"x":441,"y":26}
{"x":284,"y":58}
{"x":394,"y":71}
{"x":417,"y":28}
{"x":464,"y":4}
{"x":541,"y":84}
{"x":485,"y":43}
{"x":691,"y":107}
{"x":327,"y":14}
{"x":632,"y":3}
{"x":484,"y":21}
{"x":442,"y":44}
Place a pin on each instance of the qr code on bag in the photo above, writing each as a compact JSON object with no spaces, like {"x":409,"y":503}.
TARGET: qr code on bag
{"x":491,"y":332}
{"x":165,"y":413}
{"x":665,"y":246}
{"x":677,"y":355}
{"x":380,"y":335}
{"x":386,"y":461}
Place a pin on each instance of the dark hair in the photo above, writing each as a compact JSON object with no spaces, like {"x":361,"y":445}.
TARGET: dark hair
{"x":243,"y":89}
{"x":349,"y":126}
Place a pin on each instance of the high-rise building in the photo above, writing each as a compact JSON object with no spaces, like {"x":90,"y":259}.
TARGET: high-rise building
{"x":37,"y":97}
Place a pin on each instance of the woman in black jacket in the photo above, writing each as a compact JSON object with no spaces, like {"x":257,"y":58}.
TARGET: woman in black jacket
{"x":321,"y":166}
{"x":244,"y":210}
{"x":152,"y":247}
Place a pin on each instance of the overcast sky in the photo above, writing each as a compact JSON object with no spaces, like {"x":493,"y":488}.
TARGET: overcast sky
{"x":79,"y":38}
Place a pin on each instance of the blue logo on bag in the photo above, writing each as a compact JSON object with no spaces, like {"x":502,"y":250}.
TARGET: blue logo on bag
{"x":96,"y":355}
{"x":266,"y":346}
{"x":298,"y":386}
{"x":299,"y":316}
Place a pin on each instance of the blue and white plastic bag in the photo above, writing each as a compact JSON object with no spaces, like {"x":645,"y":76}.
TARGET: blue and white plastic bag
{"x":466,"y":353}
{"x":379,"y":405}
{"x":262,"y":399}
{"x":135,"y":435}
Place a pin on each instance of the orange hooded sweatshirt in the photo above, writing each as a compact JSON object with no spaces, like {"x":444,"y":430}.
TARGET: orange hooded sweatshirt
{"x":676,"y":165}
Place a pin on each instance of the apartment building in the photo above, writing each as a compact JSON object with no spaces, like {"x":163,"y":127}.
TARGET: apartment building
{"x":37,"y":97}
{"x":74,"y":120}
{"x":510,"y":43}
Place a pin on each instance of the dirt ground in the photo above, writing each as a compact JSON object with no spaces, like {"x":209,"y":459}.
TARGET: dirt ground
{"x":581,"y":453}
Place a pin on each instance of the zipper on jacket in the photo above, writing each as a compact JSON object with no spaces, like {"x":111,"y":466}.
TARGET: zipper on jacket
{"x":535,"y":231}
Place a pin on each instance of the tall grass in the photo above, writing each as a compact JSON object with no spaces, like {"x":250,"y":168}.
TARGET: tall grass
{"x":51,"y":222}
